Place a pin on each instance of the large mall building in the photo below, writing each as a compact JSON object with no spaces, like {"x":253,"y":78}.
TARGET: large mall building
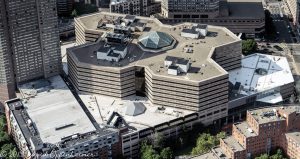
{"x":130,"y":77}
{"x":136,"y":68}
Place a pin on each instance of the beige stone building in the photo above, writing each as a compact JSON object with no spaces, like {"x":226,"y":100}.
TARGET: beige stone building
{"x":203,"y":86}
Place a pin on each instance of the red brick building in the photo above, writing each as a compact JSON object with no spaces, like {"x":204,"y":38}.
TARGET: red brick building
{"x":264,"y":130}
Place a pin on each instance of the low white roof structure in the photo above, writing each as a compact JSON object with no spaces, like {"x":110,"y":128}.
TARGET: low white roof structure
{"x":272,"y":99}
{"x":262,"y":73}
{"x":54,"y":110}
{"x":101,"y":107}
{"x":135,"y":108}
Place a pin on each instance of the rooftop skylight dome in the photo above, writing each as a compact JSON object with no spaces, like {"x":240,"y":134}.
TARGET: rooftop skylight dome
{"x":155,"y":40}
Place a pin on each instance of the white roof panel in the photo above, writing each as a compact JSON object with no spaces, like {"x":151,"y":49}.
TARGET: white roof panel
{"x":277,"y":70}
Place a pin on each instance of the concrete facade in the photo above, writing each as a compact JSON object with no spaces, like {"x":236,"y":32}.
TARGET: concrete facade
{"x":189,"y":94}
{"x":245,"y":16}
{"x":135,"y":7}
{"x":293,"y":6}
{"x":110,"y":82}
{"x":65,"y":7}
{"x":177,"y":8}
{"x":84,"y":35}
{"x":7,"y":81}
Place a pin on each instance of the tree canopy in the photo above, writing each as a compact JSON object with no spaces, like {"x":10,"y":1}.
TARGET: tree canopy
{"x":166,"y":153}
{"x":154,"y":148}
{"x":277,"y":155}
{"x":157,"y":140}
{"x":248,"y":46}
{"x":74,"y":13}
{"x":207,"y":141}
{"x":7,"y":149}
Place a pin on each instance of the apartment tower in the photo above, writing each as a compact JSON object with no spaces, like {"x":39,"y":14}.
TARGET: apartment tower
{"x":65,"y":7}
{"x":29,"y":41}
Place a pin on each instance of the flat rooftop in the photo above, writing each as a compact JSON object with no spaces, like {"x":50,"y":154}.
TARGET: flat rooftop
{"x":250,"y":9}
{"x":260,"y":73}
{"x":245,"y":129}
{"x":151,"y":117}
{"x":51,"y":106}
{"x":233,"y":144}
{"x":202,"y":66}
{"x":295,"y":136}
{"x":266,"y":115}
{"x":209,"y":155}
{"x":218,"y":151}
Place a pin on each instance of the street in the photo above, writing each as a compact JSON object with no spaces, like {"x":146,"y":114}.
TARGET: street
{"x":281,"y":22}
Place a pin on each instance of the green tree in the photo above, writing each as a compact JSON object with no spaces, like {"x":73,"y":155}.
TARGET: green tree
{"x":13,"y":154}
{"x":2,"y":122}
{"x":157,"y":140}
{"x":204,"y":143}
{"x":166,"y":153}
{"x":4,"y":138}
{"x":248,"y":46}
{"x":74,"y":13}
{"x":263,"y":156}
{"x":147,"y":152}
{"x":221,"y":135}
{"x":5,"y":149}
{"x":278,"y":155}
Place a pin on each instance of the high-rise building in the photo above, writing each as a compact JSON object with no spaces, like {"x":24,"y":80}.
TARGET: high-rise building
{"x":293,"y":6}
{"x":135,"y":7}
{"x":29,"y":42}
{"x":6,"y":71}
{"x":65,"y":7}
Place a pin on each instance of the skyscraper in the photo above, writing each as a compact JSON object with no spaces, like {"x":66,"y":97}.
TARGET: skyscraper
{"x":65,"y":7}
{"x":7,"y":83}
{"x":29,"y":41}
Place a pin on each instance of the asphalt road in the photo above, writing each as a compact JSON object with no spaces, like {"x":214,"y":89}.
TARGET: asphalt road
{"x":281,"y":22}
{"x":283,"y":32}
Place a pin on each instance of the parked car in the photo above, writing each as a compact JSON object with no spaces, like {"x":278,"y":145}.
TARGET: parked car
{"x":278,"y":48}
